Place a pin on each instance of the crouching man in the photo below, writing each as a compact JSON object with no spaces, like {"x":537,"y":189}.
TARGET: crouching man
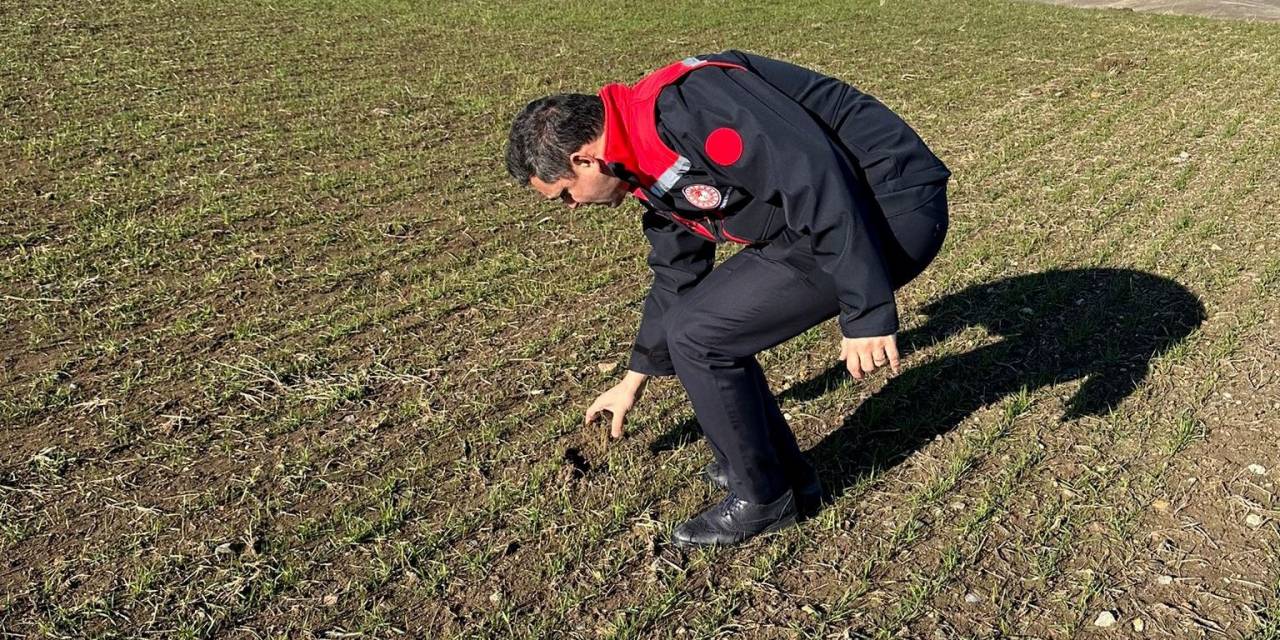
{"x":837,"y":202}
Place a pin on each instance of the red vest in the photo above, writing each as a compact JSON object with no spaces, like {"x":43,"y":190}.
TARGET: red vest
{"x":631,"y":132}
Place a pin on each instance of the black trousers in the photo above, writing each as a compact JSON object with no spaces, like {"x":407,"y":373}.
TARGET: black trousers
{"x":758,"y":298}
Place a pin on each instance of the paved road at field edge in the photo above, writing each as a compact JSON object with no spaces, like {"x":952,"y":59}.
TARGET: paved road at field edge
{"x":1233,"y":9}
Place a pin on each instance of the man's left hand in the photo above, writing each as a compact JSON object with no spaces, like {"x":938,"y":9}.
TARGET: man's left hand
{"x":864,"y":355}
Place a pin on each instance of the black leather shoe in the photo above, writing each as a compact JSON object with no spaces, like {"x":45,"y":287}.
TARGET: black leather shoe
{"x":735,"y":520}
{"x":808,"y":489}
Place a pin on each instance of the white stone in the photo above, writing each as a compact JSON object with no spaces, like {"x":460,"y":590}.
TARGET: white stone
{"x":1105,"y":619}
{"x":1257,"y":469}
{"x":1253,"y":520}
{"x":972,"y":598}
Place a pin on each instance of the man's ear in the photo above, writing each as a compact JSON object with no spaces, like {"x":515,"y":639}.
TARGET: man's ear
{"x":580,"y":159}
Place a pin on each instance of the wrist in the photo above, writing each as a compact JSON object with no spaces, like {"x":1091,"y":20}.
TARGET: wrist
{"x":634,"y":380}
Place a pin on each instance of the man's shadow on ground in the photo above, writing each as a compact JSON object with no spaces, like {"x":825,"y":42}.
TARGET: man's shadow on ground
{"x":1104,"y":326}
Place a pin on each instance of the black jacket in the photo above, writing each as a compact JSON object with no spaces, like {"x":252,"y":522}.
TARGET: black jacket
{"x":817,"y":156}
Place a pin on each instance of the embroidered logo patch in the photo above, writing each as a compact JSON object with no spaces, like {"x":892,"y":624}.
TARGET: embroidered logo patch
{"x":702,"y":196}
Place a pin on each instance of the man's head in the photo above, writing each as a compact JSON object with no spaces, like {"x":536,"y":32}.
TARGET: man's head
{"x":556,"y":147}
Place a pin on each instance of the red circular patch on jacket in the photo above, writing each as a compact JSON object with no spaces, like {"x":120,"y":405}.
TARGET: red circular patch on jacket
{"x":724,"y":146}
{"x":702,"y":196}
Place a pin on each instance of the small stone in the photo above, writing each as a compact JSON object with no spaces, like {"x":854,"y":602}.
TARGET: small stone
{"x":1105,"y":619}
{"x":1160,"y":504}
{"x":1257,"y":469}
{"x":607,"y":367}
{"x":329,"y":600}
{"x":1216,"y":248}
{"x":1166,"y":580}
{"x":972,"y":598}
{"x":1253,"y":520}
{"x":1139,"y":625}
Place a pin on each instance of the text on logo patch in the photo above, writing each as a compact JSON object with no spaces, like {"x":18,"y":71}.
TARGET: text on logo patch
{"x":702,"y":196}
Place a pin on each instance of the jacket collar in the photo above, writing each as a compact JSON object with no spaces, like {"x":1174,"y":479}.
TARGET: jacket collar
{"x":618,"y":153}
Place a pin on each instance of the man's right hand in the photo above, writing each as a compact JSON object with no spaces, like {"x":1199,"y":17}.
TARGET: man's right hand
{"x":618,"y":400}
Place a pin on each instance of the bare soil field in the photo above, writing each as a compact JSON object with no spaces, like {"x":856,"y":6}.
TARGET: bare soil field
{"x":287,"y":355}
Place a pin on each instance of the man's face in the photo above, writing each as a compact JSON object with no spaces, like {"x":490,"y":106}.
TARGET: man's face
{"x":589,"y":184}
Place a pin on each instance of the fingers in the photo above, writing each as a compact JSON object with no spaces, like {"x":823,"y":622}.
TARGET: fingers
{"x":851,"y":363}
{"x":590,"y":415}
{"x":869,"y":359}
{"x":863,"y":356}
{"x":616,"y":419}
{"x":616,"y":428}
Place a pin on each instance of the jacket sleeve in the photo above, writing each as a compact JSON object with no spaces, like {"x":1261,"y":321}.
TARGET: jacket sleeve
{"x":788,"y":159}
{"x":679,"y":261}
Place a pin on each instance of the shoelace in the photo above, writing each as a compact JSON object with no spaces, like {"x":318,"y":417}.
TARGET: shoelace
{"x":728,"y":503}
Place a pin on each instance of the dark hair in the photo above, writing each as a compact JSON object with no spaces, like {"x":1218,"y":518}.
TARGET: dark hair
{"x":548,"y":131}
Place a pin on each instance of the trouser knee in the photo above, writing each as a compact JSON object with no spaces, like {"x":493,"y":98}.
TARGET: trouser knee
{"x":917,"y":239}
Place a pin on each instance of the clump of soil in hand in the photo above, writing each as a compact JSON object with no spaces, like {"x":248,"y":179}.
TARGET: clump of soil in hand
{"x":577,"y":460}
{"x":600,"y":427}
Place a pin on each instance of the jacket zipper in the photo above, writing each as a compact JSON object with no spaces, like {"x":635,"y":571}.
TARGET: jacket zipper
{"x":717,"y":223}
